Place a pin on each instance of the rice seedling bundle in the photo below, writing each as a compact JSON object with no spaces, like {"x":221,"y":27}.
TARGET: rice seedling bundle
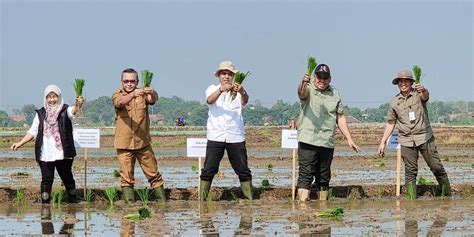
{"x":417,"y":72}
{"x":147,"y":77}
{"x":239,"y":77}
{"x":78,"y":86}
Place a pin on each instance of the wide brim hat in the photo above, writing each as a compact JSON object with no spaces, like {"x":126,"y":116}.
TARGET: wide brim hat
{"x":403,"y":74}
{"x":226,"y":65}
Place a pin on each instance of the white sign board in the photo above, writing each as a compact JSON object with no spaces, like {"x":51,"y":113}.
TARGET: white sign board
{"x":392,"y":142}
{"x":86,"y":138}
{"x":289,"y":138}
{"x":196,"y":147}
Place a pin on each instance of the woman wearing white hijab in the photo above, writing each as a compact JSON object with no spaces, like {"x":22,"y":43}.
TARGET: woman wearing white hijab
{"x":54,"y":144}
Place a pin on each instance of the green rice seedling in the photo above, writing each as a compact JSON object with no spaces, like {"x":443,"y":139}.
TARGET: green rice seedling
{"x":142,"y":214}
{"x":410,"y":192}
{"x":331,"y":195}
{"x":265,"y":183}
{"x":445,"y":158}
{"x":444,"y":190}
{"x":379,"y":193}
{"x":78,"y":86}
{"x":194,"y":168}
{"x":57,"y":197}
{"x":20,"y":196}
{"x":20,"y":174}
{"x":423,"y":181}
{"x":335,"y":214}
{"x":144,"y":194}
{"x":312,"y":64}
{"x":111,"y":194}
{"x":116,"y":174}
{"x":147,"y":77}
{"x":417,"y":72}
{"x":270,"y":167}
{"x":239,"y":77}
{"x":89,"y":195}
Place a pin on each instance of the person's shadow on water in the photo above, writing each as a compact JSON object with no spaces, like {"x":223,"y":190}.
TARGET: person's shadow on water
{"x":47,"y":227}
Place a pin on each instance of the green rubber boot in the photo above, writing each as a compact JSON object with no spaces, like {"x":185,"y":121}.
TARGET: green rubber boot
{"x":128,"y":194}
{"x":204,"y":188}
{"x":445,"y":187}
{"x":247,"y":189}
{"x":160,"y":194}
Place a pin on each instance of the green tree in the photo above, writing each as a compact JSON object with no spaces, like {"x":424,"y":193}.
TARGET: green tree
{"x":101,"y":111}
{"x":29,"y":112}
{"x":4,"y":119}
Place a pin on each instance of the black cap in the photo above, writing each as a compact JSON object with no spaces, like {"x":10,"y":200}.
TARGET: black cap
{"x":322,"y":69}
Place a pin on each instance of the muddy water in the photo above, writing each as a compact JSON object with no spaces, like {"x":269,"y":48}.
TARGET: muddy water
{"x":434,"y":217}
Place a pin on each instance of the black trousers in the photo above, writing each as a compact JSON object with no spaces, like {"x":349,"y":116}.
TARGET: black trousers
{"x":64,"y":168}
{"x":237,"y":154}
{"x":314,"y":163}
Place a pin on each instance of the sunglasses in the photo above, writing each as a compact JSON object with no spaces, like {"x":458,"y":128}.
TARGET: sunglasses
{"x":322,"y":76}
{"x":129,"y":81}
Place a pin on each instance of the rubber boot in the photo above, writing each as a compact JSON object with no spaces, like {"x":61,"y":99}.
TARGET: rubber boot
{"x":444,"y":187}
{"x":46,"y":194}
{"x":410,"y":187}
{"x":160,"y":194}
{"x":323,"y":194}
{"x":72,"y":196}
{"x":204,"y":187}
{"x":128,"y":194}
{"x":247,"y":189}
{"x":303,"y":194}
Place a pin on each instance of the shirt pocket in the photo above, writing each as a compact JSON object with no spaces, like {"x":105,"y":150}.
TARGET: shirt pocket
{"x":140,"y":108}
{"x":331,"y":106}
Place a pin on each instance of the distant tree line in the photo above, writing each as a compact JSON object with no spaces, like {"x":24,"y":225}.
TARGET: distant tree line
{"x":100,"y":112}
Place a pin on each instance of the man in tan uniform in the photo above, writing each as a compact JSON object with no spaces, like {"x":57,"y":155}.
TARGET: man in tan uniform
{"x":408,"y":111}
{"x":132,"y":135}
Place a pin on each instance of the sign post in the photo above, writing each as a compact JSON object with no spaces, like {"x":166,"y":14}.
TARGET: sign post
{"x":86,"y":138}
{"x":289,"y":140}
{"x":196,"y":147}
{"x":393,"y":144}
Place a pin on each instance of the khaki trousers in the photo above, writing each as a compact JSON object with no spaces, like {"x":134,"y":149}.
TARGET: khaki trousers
{"x":147,"y":161}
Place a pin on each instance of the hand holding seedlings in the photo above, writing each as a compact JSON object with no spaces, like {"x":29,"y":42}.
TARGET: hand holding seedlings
{"x":306,"y":78}
{"x":225,"y":87}
{"x":419,"y":88}
{"x":148,"y":90}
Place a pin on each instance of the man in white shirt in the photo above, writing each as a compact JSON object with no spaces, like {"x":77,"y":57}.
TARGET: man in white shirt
{"x":225,"y":131}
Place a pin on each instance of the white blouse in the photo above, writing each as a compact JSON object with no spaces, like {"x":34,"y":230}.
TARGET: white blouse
{"x":49,"y":151}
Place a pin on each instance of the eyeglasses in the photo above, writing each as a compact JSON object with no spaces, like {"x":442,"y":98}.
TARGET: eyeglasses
{"x":129,"y":81}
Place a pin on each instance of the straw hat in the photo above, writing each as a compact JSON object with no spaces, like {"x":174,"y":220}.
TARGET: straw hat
{"x":404,"y":74}
{"x":226,"y":65}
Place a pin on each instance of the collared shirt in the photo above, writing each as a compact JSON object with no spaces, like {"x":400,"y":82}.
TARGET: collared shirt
{"x":225,"y":122}
{"x":132,"y":129}
{"x":411,"y":117}
{"x":49,"y":151}
{"x":318,"y":116}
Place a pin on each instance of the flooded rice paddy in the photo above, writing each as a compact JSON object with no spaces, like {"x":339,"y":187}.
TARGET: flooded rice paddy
{"x":438,"y":217}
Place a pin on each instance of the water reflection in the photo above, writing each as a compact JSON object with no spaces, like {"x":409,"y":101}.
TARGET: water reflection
{"x":47,"y":227}
{"x":436,"y":229}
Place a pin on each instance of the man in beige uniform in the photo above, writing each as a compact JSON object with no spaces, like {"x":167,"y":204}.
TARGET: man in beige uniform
{"x":132,"y":135}
{"x":408,"y":111}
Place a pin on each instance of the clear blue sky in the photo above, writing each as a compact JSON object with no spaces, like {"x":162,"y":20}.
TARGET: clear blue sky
{"x":365,"y":43}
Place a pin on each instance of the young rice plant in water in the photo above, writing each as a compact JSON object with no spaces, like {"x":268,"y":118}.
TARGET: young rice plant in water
{"x":144,"y":194}
{"x":57,"y":197}
{"x":89,"y":195}
{"x":20,"y":196}
{"x":111,"y":194}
